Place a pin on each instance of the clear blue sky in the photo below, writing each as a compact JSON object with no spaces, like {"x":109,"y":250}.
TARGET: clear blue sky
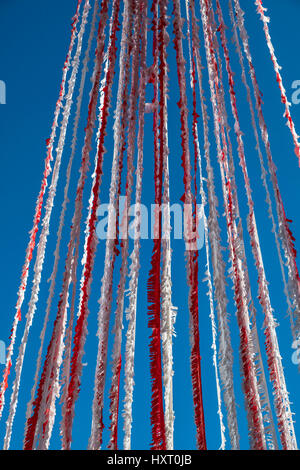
{"x":34,"y":37}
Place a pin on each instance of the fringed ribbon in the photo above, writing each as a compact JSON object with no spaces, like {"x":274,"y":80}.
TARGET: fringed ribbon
{"x":31,"y":425}
{"x":225,"y":349}
{"x":38,"y":212}
{"x":280,"y":393}
{"x":285,"y":232}
{"x":290,"y":123}
{"x":131,"y":311}
{"x":261,"y":159}
{"x":197,"y":162}
{"x":256,"y":429}
{"x":191,"y":254}
{"x":95,"y":440}
{"x":154,"y":280}
{"x":116,"y":368}
{"x":65,"y":202}
{"x":90,"y":235}
{"x":168,"y":311}
{"x":41,"y":250}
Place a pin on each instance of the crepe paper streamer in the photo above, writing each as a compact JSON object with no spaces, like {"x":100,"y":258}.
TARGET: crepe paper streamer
{"x":281,"y":400}
{"x":131,"y":311}
{"x":261,"y":160}
{"x":192,"y":255}
{"x":290,"y":123}
{"x":30,"y":436}
{"x":90,"y":235}
{"x":45,"y":230}
{"x":38,"y":212}
{"x":286,"y":237}
{"x":256,"y":429}
{"x":268,"y":420}
{"x":60,"y":375}
{"x":64,"y":205}
{"x":168,"y":310}
{"x":95,"y":440}
{"x":116,"y":356}
{"x":269,"y":428}
{"x":154,"y":279}
{"x":69,"y":332}
{"x":197,"y":153}
{"x":225,"y":348}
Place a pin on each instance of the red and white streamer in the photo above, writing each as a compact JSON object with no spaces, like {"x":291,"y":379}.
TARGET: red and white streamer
{"x":66,"y":191}
{"x":198,"y":162}
{"x":128,"y":136}
{"x":285,"y":233}
{"x":131,"y":310}
{"x":281,"y":400}
{"x":168,"y":311}
{"x":41,"y":250}
{"x":256,"y":428}
{"x":118,"y":326}
{"x":225,"y":348}
{"x":38,"y":212}
{"x":192,"y":255}
{"x":31,"y":425}
{"x":90,"y":232}
{"x":261,"y":159}
{"x":268,"y":420}
{"x":290,"y":123}
{"x":95,"y":440}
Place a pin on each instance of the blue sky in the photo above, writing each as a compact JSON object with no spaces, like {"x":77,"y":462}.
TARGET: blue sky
{"x":34,"y":38}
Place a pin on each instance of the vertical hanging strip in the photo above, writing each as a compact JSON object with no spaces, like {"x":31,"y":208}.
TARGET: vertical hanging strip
{"x":225,"y":349}
{"x":256,"y":429}
{"x":130,"y":7}
{"x":154,"y":280}
{"x":30,"y":430}
{"x":261,"y":159}
{"x":281,"y":400}
{"x":266,"y":410}
{"x":67,"y":361}
{"x":290,"y":123}
{"x":65,"y":203}
{"x":135,"y":256}
{"x":197,"y":154}
{"x":271,"y":438}
{"x":38,"y":211}
{"x":168,"y":312}
{"x":116,"y":356}
{"x":46,"y":413}
{"x":41,"y":250}
{"x":263,"y":170}
{"x":70,"y":394}
{"x":192,"y":255}
{"x":90,"y":235}
{"x":118,"y":326}
{"x":268,"y":420}
{"x":285,"y":233}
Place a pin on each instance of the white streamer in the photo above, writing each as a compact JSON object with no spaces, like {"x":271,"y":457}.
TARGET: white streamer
{"x":44,"y":236}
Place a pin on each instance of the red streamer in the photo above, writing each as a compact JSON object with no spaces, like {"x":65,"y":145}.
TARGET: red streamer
{"x":154,"y":281}
{"x":192,"y":255}
{"x":32,"y":421}
{"x":38,"y":211}
{"x":80,"y":329}
{"x":249,"y":376}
